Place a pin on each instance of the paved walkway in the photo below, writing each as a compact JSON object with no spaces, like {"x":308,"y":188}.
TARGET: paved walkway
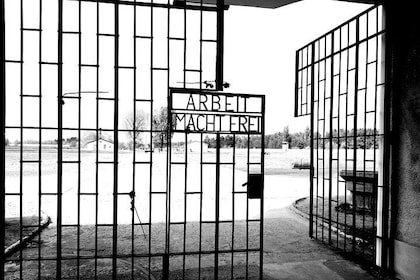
{"x":291,"y":254}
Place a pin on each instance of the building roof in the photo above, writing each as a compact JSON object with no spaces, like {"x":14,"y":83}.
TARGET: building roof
{"x":100,"y":138}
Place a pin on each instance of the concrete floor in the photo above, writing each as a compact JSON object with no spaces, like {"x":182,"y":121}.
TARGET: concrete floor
{"x":291,"y":254}
{"x":288,"y":254}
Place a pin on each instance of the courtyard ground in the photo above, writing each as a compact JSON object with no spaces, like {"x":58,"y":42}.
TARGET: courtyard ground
{"x":288,"y":254}
{"x":288,"y":251}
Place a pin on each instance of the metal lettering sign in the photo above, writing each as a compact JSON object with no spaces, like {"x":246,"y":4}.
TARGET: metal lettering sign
{"x":198,"y":111}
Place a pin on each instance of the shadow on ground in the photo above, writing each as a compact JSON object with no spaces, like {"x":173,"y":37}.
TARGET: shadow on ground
{"x":288,"y":253}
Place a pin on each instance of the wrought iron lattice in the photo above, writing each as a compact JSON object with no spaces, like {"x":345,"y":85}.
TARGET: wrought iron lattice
{"x":340,"y":84}
{"x":83,"y":109}
{"x":217,"y":198}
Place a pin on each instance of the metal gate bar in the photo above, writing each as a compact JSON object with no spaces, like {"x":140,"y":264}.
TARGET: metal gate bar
{"x":340,"y":83}
{"x":217,"y":208}
{"x":3,"y":143}
{"x":59,"y":135}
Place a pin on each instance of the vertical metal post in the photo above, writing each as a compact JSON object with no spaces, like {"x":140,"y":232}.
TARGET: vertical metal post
{"x":79,"y":135}
{"x":317,"y":140}
{"x":3,"y":140}
{"x":60,"y":136}
{"x":216,"y":233}
{"x":262,"y":189}
{"x":166,"y":263}
{"x":185,"y":204}
{"x":297,"y":74}
{"x":22,"y":40}
{"x":330,"y":163}
{"x":378,"y":163}
{"x":338,"y":132}
{"x":248,"y":156}
{"x":151,"y":142}
{"x":324,"y":93}
{"x":185,"y":48}
{"x":115,"y":196}
{"x":133,"y":189}
{"x":364,"y":109}
{"x":388,"y":191}
{"x":346,"y":136}
{"x":220,"y":44}
{"x":201,"y":144}
{"x":165,"y":267}
{"x":40,"y":134}
{"x":311,"y":172}
{"x":201,"y":207}
{"x":356,"y":87}
{"x":97,"y":139}
{"x":233,"y":203}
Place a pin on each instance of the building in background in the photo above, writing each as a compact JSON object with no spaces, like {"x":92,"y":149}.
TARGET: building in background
{"x":102,"y":143}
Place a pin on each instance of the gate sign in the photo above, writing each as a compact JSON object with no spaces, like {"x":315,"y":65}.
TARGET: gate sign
{"x":199,"y":111}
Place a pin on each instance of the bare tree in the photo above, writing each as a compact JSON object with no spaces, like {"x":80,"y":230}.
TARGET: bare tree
{"x":286,"y":135}
{"x":160,"y":123}
{"x":138,"y":122}
{"x":134,"y":123}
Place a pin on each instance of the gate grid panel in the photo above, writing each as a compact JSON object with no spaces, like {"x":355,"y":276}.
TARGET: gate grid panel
{"x":221,"y":224}
{"x":85,"y":111}
{"x":340,"y":84}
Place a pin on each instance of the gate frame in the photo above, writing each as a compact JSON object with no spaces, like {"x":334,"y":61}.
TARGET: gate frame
{"x":301,"y":109}
{"x":218,"y":8}
{"x":3,"y":142}
{"x":217,"y":187}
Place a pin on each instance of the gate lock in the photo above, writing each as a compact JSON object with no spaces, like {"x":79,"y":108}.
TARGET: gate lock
{"x":254,"y":185}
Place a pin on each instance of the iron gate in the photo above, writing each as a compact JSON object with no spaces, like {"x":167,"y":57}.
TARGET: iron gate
{"x":340,"y":83}
{"x":86,"y":135}
{"x":219,"y":213}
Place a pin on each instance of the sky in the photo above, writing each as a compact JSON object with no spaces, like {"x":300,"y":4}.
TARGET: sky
{"x":260,"y":47}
